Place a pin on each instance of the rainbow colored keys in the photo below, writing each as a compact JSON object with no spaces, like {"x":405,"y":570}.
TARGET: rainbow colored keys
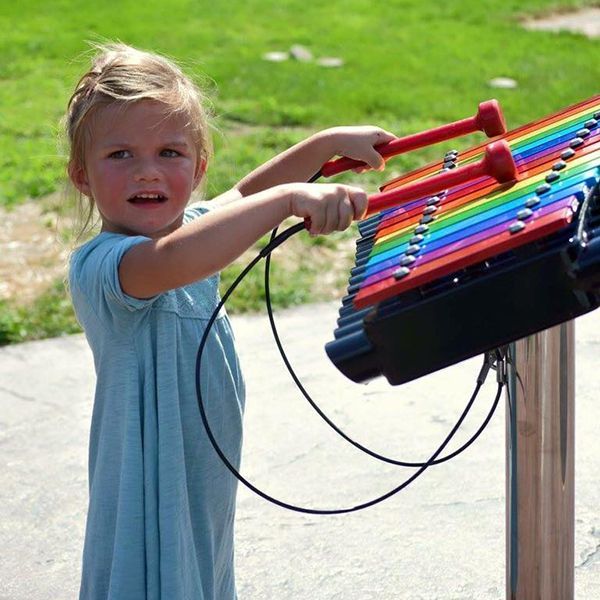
{"x":505,"y":249}
{"x":419,"y":241}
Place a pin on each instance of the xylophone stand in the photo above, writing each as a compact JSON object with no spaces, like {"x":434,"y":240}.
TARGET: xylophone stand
{"x":540,"y":477}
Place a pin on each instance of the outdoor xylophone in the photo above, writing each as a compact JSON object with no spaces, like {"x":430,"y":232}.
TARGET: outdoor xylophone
{"x":502,"y":243}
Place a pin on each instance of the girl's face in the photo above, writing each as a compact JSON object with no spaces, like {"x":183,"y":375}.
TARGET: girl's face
{"x":141,"y":168}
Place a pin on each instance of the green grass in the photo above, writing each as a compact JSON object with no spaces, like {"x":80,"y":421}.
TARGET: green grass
{"x":50,"y":315}
{"x":250,"y":295}
{"x":408,"y":65}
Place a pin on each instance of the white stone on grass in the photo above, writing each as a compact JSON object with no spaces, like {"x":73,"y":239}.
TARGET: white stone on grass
{"x":330,"y":62}
{"x":275,"y":56}
{"x":301,"y":53}
{"x":505,"y":83}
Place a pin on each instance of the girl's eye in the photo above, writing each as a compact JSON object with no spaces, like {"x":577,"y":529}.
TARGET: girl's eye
{"x":169,"y":153}
{"x":119,"y":154}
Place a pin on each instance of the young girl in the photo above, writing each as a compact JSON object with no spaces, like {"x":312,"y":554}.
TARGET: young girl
{"x":161,"y":508}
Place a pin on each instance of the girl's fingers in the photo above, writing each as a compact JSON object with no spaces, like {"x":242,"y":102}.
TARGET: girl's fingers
{"x":331,"y":207}
{"x":332,"y":213}
{"x":315,"y":229}
{"x":375,"y":160}
{"x":385,"y":136}
{"x":360,"y":202}
{"x":317,"y":220}
{"x":345,"y":214}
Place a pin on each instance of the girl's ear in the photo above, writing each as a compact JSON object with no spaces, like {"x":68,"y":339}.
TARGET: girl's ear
{"x":79,"y":178}
{"x":200,"y":171}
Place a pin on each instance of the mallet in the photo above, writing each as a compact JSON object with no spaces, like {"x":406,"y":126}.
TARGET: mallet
{"x":497,"y":162}
{"x":488,"y":119}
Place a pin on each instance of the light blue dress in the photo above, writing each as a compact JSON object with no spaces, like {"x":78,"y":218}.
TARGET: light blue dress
{"x":161,"y":504}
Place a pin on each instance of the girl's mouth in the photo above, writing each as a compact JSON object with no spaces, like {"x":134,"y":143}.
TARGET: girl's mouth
{"x":147,"y":199}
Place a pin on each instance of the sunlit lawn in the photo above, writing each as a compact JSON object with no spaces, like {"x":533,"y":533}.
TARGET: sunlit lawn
{"x":407,"y":65}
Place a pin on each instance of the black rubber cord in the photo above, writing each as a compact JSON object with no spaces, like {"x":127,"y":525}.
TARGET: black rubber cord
{"x":490,"y":360}
{"x":247,"y":483}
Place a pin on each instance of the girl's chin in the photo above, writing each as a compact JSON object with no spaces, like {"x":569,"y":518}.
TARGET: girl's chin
{"x":148,"y":224}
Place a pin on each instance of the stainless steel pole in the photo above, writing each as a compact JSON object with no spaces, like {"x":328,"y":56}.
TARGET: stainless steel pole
{"x":540,"y":467}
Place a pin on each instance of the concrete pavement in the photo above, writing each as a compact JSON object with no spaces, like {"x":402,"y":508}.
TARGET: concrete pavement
{"x":441,"y":538}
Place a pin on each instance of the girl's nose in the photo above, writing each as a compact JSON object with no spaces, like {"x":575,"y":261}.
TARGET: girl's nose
{"x":147,"y":170}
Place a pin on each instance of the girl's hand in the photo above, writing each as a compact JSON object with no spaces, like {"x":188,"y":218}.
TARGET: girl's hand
{"x":358,"y":143}
{"x":328,"y":207}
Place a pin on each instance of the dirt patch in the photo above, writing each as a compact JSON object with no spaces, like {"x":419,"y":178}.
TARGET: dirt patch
{"x":585,"y":21}
{"x":32,"y":255}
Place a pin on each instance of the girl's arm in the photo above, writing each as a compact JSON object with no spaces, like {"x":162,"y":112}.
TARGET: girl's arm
{"x":222,"y":199}
{"x":207,"y":245}
{"x":302,"y":161}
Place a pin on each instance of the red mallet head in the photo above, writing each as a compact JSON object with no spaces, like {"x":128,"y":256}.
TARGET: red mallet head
{"x":489,"y":118}
{"x":498,"y":162}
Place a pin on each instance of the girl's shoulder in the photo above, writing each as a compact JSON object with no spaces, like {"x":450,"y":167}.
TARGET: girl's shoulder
{"x":93,"y":272}
{"x":100,"y":247}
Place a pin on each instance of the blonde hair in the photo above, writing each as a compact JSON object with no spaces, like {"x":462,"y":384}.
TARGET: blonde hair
{"x":122,"y":74}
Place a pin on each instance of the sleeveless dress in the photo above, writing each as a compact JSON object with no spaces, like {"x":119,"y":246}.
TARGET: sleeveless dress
{"x":161,"y":504}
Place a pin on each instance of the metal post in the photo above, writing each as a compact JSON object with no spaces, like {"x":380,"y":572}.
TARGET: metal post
{"x":540,"y":478}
